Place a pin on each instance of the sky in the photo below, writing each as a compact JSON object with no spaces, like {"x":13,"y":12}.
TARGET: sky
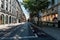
{"x":24,"y":10}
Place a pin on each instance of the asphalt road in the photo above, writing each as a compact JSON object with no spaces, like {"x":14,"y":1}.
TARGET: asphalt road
{"x":25,"y":32}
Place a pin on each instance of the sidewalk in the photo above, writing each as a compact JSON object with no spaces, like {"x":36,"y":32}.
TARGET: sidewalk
{"x":54,"y":32}
{"x":8,"y":26}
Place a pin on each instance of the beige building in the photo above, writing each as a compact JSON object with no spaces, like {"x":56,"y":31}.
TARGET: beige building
{"x":23,"y":18}
{"x":10,"y":11}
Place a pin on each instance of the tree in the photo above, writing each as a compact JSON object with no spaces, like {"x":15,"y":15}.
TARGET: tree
{"x":34,"y":6}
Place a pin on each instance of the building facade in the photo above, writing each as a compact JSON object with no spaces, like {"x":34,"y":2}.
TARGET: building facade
{"x":51,"y":14}
{"x":23,"y":18}
{"x":52,"y":11}
{"x":10,"y":11}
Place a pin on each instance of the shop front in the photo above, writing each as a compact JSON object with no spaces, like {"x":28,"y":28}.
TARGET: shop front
{"x":50,"y":19}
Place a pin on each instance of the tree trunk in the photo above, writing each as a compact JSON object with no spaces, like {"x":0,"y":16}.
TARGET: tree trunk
{"x":38,"y":21}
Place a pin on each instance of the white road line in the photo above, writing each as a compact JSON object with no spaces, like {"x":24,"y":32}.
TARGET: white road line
{"x":36,"y":35}
{"x":27,"y":37}
{"x":33,"y":30}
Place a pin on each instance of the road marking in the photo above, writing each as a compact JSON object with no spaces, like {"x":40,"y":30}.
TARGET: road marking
{"x":22,"y":30}
{"x":36,"y":35}
{"x":33,"y":30}
{"x":5,"y":37}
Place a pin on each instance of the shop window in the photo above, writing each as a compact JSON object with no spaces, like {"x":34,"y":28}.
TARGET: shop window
{"x":56,"y":15}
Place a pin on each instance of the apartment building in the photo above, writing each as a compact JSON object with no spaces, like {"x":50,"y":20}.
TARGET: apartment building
{"x":10,"y":12}
{"x":51,"y":14}
{"x":52,"y":11}
{"x":23,"y":18}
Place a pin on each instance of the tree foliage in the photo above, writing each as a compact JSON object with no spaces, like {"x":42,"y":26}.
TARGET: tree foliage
{"x":34,"y":6}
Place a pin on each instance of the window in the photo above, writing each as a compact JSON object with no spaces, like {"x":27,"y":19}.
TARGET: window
{"x":10,"y":1}
{"x":10,"y":8}
{"x":2,"y":6}
{"x":6,"y":19}
{"x":7,"y":0}
{"x":6,"y":6}
{"x":2,"y":19}
{"x":10,"y":19}
{"x":53,"y":2}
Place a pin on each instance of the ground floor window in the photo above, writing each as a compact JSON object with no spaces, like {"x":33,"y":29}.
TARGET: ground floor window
{"x":49,"y":17}
{"x":10,"y":19}
{"x":19,"y":20}
{"x":6,"y":19}
{"x":13,"y":20}
{"x":2,"y":19}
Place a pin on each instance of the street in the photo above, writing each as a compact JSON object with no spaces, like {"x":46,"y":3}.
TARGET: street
{"x":25,"y":32}
{"x":29,"y":20}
